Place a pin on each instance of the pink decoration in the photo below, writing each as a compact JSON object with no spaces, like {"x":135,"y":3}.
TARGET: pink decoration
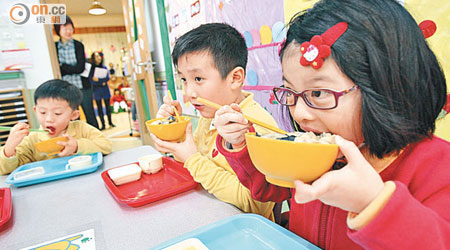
{"x":256,"y":37}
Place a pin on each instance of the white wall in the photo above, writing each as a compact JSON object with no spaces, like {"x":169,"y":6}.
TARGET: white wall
{"x":34,"y":39}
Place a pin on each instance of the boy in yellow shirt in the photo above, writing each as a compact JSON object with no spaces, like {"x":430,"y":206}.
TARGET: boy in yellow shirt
{"x":56,"y":109}
{"x":211,"y":61}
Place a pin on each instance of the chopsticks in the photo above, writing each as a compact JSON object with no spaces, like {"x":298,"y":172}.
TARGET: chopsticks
{"x":6,"y":128}
{"x":174,"y":108}
{"x":250,"y":119}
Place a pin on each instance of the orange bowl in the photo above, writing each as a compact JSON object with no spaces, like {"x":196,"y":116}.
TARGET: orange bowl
{"x":282,"y":161}
{"x":169,"y":132}
{"x":50,"y":146}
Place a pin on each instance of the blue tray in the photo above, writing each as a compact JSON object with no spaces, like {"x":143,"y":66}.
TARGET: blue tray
{"x":246,"y":232}
{"x":54,"y":169}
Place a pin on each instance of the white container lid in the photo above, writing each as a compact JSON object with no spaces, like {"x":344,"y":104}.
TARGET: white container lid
{"x":29,"y":173}
{"x":116,"y":174}
{"x":81,"y":161}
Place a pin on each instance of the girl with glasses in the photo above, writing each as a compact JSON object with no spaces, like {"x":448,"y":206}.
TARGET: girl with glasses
{"x":363,"y":71}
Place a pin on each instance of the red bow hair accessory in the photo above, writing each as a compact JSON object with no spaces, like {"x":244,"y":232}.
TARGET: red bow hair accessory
{"x":428,"y":28}
{"x":319,"y":48}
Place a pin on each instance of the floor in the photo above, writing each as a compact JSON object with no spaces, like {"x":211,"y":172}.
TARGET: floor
{"x":120,"y":135}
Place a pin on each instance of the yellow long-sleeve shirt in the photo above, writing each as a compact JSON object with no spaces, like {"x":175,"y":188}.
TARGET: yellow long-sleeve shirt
{"x":211,"y":169}
{"x":90,"y":140}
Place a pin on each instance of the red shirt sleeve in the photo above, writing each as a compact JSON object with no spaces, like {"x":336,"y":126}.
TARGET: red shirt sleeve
{"x":406,"y":222}
{"x":250,"y":177}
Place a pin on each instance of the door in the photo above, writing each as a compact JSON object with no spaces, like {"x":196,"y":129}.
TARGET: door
{"x":141,"y":64}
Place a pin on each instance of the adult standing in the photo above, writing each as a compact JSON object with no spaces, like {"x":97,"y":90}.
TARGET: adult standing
{"x":71,"y":63}
{"x":101,"y":88}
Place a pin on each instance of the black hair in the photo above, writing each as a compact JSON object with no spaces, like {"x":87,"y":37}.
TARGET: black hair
{"x":93,"y":59}
{"x":57,"y":27}
{"x":384,"y":52}
{"x":222,"y":41}
{"x":61,"y":90}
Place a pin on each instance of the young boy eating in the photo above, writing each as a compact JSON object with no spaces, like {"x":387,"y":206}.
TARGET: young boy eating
{"x":211,"y":61}
{"x":56,"y":109}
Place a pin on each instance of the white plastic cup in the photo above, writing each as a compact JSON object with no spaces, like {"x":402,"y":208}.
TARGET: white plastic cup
{"x":151,"y":164}
{"x":79,"y":162}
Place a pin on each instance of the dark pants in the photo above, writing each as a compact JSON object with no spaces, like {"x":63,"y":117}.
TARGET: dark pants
{"x":133,"y":111}
{"x":100,"y":111}
{"x":88,"y":108}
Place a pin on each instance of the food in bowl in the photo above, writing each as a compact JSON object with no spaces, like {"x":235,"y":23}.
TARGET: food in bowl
{"x":168,"y":130}
{"x":168,"y":120}
{"x":283,"y":160}
{"x":306,"y":137}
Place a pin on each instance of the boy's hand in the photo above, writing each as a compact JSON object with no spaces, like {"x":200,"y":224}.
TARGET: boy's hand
{"x":180,"y":150}
{"x":95,"y":79}
{"x":166,"y":109}
{"x":16,"y":135}
{"x":231,"y":124}
{"x":70,"y":147}
{"x":350,"y":188}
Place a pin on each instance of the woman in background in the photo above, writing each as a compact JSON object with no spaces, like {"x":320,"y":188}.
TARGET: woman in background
{"x":101,"y":88}
{"x":72,"y":60}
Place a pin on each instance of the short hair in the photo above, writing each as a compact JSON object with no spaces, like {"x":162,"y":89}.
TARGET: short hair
{"x":384,"y":52}
{"x":222,"y":41}
{"x":57,"y":27}
{"x":61,"y":90}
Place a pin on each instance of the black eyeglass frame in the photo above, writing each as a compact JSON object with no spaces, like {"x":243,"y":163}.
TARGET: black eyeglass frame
{"x":296,"y":94}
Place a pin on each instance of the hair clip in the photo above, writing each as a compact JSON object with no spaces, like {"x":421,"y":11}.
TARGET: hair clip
{"x":428,"y":28}
{"x":319,"y":48}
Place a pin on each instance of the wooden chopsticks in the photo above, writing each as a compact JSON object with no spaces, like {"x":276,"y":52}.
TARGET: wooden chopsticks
{"x":252,"y":120}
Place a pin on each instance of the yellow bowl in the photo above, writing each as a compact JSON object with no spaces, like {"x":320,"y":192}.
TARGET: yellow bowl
{"x":169,"y":132}
{"x":50,"y":146}
{"x":282,"y":161}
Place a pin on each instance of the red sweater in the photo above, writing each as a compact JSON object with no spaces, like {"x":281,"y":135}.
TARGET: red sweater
{"x":417,"y":216}
{"x":118,"y":98}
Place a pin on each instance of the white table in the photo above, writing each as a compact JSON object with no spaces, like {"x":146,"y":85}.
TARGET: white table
{"x":50,"y":210}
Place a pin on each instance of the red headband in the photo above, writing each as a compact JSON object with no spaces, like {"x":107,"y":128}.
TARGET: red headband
{"x":314,"y":52}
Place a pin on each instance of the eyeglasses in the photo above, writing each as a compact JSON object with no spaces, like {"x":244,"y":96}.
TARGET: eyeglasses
{"x":314,"y":98}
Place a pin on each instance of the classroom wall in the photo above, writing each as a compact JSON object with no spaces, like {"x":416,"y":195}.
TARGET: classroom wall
{"x":31,"y":36}
{"x":93,"y":21}
{"x":110,"y":42}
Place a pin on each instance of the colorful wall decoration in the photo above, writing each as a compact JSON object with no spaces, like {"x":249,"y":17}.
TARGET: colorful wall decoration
{"x":262,"y":24}
{"x":262,"y":33}
{"x":439,"y":12}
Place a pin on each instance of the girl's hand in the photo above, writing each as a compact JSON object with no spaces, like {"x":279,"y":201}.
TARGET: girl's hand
{"x":231,"y":124}
{"x":166,"y":109}
{"x":180,"y":150}
{"x":351,"y":188}
{"x":16,"y":135}
{"x":95,"y":79}
{"x":70,"y":147}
